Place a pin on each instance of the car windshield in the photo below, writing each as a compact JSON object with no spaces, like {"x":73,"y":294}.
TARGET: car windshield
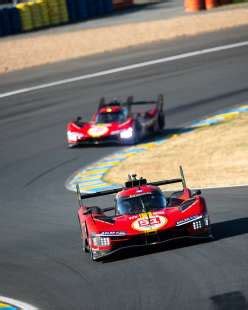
{"x":142,"y":203}
{"x":110,"y":117}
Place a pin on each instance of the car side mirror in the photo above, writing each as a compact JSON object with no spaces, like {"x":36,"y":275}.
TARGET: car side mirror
{"x":196,"y":192}
{"x":79,"y":118}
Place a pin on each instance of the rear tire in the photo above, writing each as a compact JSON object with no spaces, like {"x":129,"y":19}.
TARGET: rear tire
{"x":161,"y":121}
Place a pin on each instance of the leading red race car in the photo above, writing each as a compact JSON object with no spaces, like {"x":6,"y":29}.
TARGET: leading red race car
{"x":116,"y":122}
{"x":142,"y":216}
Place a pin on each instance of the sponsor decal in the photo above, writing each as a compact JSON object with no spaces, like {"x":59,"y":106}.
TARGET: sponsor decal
{"x":112,"y":233}
{"x":149,"y":222}
{"x":188,"y":220}
{"x":98,"y":131}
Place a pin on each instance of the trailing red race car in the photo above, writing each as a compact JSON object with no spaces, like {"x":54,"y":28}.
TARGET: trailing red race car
{"x":142,"y":216}
{"x":116,"y":122}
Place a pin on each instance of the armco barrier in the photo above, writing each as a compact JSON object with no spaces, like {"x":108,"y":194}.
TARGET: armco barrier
{"x":26,"y":18}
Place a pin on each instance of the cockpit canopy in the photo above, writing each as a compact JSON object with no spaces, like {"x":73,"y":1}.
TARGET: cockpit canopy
{"x":111,"y":117}
{"x":146,"y":202}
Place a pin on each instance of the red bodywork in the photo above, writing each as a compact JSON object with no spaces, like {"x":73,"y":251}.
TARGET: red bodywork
{"x":184,"y":216}
{"x":126,"y":128}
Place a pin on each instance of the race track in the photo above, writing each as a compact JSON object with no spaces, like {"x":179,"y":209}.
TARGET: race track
{"x":40,"y":258}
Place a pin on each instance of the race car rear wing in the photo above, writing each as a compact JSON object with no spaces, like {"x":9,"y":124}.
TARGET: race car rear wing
{"x":159,"y":102}
{"x":130,"y":183}
{"x":130,"y":102}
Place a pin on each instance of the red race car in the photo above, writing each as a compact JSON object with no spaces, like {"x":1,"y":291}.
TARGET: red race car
{"x":142,"y":216}
{"x":116,"y":122}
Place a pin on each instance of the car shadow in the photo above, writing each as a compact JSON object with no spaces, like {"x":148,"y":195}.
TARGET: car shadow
{"x":221,"y":230}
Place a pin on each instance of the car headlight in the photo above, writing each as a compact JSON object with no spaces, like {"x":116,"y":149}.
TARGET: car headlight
{"x":74,"y":136}
{"x":126,"y":133}
{"x":101,"y":241}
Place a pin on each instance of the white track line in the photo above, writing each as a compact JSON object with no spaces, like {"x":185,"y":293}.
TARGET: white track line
{"x":220,"y":186}
{"x":17,"y":303}
{"x":125,"y":68}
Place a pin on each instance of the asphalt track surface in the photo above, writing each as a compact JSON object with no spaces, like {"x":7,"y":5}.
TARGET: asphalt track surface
{"x":40,"y":257}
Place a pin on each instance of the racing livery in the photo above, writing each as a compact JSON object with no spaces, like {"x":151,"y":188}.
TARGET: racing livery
{"x":117,"y":122}
{"x":142,"y":215}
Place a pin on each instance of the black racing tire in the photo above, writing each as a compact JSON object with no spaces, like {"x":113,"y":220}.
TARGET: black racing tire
{"x":92,"y":257}
{"x":137,"y":132}
{"x":84,"y":242}
{"x":161,"y":121}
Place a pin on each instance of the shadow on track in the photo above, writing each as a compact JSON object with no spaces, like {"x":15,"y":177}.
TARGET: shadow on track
{"x":206,"y":101}
{"x":230,"y":228}
{"x":222,"y":230}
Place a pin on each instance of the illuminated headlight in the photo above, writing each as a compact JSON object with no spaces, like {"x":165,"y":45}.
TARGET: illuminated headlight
{"x":101,"y":241}
{"x":206,"y":220}
{"x":197,"y":225}
{"x":126,"y":133}
{"x":74,"y":136}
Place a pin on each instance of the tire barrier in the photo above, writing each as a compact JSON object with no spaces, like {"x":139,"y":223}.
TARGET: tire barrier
{"x":72,"y":11}
{"x":26,"y":17}
{"x":77,"y":10}
{"x":5,"y":23}
{"x":138,"y":2}
{"x":10,"y":22}
{"x":194,"y":5}
{"x":43,"y":12}
{"x":95,"y":8}
{"x":82,"y":10}
{"x":197,"y":5}
{"x":36,"y":15}
{"x":54,"y":14}
{"x":15,"y":20}
{"x":122,"y":4}
{"x":63,"y":12}
{"x":211,"y":4}
{"x":224,"y":2}
{"x":108,"y":6}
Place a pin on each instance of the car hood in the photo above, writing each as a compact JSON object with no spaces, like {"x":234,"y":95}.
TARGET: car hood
{"x":148,"y":221}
